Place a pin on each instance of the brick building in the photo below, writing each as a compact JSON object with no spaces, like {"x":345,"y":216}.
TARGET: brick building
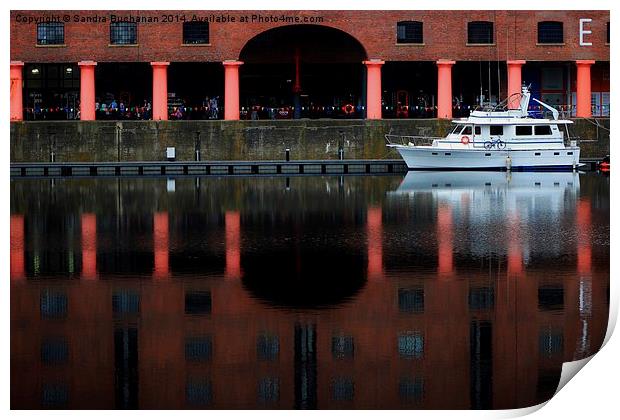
{"x":292,"y":64}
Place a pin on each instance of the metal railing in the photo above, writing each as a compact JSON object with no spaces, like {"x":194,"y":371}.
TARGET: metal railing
{"x":398,"y":139}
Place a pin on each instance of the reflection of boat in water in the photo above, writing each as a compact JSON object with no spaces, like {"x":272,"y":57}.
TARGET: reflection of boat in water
{"x":497,"y":138}
{"x":528,"y":182}
{"x":486,"y":191}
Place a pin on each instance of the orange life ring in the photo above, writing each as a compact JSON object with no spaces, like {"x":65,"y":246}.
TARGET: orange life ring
{"x":465,"y":140}
{"x":348,"y":109}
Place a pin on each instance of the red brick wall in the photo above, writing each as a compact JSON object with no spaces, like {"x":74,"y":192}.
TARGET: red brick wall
{"x":445,"y":36}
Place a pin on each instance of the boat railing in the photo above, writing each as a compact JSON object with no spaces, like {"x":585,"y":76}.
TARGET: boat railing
{"x":397,"y":139}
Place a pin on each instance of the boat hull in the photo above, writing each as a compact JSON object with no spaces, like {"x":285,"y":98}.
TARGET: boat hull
{"x":419,"y":157}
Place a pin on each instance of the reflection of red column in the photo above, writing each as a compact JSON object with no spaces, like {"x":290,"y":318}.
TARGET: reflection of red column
{"x":373,"y":89}
{"x":87,"y":90}
{"x":160,"y":90}
{"x":17,"y":247}
{"x":584,"y":88}
{"x":160,"y":244}
{"x":444,"y":88}
{"x":374,"y":227}
{"x":231,"y":89}
{"x":514,"y":82}
{"x":89,"y":246}
{"x":297,"y":85}
{"x":444,"y":238}
{"x":17,"y":81}
{"x":515,"y":257}
{"x":584,"y":248}
{"x":232,"y":220}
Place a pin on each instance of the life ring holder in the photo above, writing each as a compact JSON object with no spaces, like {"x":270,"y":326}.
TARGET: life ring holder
{"x":465,"y":140}
{"x":348,"y":109}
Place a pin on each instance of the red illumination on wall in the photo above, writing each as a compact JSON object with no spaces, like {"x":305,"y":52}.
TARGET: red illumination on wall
{"x":17,"y":247}
{"x":89,"y":246}
{"x":515,"y":256}
{"x":160,"y":244}
{"x":232,"y":220}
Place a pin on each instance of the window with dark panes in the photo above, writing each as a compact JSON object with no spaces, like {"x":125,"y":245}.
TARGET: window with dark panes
{"x":542,"y":130}
{"x":196,"y":32}
{"x":523,"y":130}
{"x":410,"y":32}
{"x":123,"y":33}
{"x":51,"y":33}
{"x":480,"y":32}
{"x":550,"y":32}
{"x":496,"y":130}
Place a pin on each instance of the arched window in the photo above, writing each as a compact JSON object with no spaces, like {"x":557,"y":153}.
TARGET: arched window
{"x":480,"y":32}
{"x":550,"y":32}
{"x":410,"y":32}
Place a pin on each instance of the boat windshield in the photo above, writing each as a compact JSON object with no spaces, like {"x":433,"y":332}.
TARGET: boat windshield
{"x":457,"y":129}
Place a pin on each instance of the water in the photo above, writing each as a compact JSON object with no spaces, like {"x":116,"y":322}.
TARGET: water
{"x":443,"y":290}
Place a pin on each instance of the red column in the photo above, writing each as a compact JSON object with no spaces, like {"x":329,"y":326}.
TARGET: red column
{"x":444,"y":88}
{"x":232,"y":220}
{"x":17,"y":247}
{"x":584,"y":88}
{"x":89,"y":246}
{"x":160,"y":244}
{"x":584,"y":248}
{"x":160,"y":90}
{"x":373,"y":88}
{"x":515,"y":255}
{"x":514,"y":82}
{"x":87,"y":90}
{"x":444,"y":239}
{"x":17,"y":81}
{"x":231,"y":89}
{"x":374,"y":229}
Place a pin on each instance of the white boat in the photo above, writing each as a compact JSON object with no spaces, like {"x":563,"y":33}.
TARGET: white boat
{"x":495,"y":138}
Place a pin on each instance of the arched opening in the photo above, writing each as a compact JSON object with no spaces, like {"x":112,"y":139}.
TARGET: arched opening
{"x":302,"y":71}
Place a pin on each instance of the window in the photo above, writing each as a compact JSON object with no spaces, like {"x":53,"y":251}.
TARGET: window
{"x":523,"y":130}
{"x":195,"y":33}
{"x":409,"y":33}
{"x":411,"y":389}
{"x":608,"y":32}
{"x":481,"y":298}
{"x":52,"y":33}
{"x":496,"y":130}
{"x":123,"y":33}
{"x":550,"y":342}
{"x":477,"y":130}
{"x":269,"y":390}
{"x":480,"y":32}
{"x":551,"y":298}
{"x":198,"y":391}
{"x":457,"y":129}
{"x":343,"y":347}
{"x":125,"y":302}
{"x":542,"y":130}
{"x":342,"y":389}
{"x":467,"y":130}
{"x":267,"y":347}
{"x":411,"y":346}
{"x":53,"y":304}
{"x":198,"y":349}
{"x":411,"y":300}
{"x":198,"y":303}
{"x":54,"y":395}
{"x":550,"y":32}
{"x":54,"y":351}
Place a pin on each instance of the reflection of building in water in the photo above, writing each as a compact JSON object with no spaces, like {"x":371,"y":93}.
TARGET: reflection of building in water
{"x":489,"y":334}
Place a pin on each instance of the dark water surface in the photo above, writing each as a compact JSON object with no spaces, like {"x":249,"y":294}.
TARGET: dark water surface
{"x":441,"y":290}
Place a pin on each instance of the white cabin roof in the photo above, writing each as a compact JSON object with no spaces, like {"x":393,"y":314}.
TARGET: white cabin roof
{"x":509,"y":121}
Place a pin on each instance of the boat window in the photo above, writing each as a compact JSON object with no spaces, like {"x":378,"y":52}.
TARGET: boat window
{"x":497,"y":130}
{"x":542,"y":130}
{"x":467,"y":130}
{"x":523,"y":130}
{"x":457,"y":129}
{"x":477,"y":130}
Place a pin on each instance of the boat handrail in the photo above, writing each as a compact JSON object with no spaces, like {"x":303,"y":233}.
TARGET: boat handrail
{"x":410,"y":140}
